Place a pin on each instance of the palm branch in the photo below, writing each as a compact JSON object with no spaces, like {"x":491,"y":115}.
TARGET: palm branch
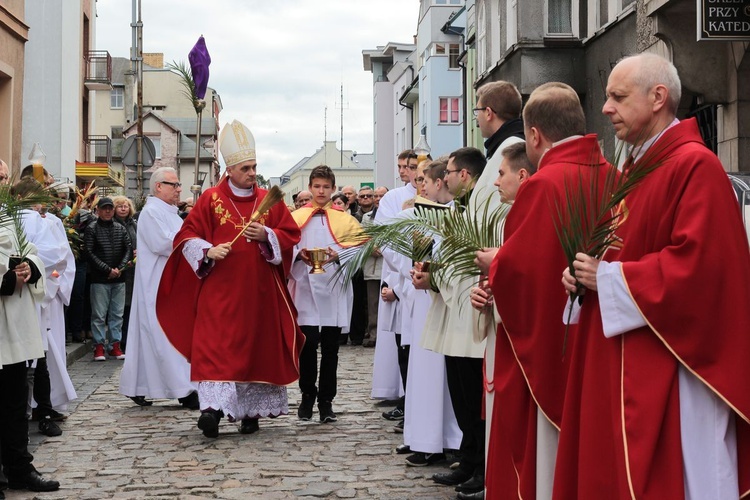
{"x":590,"y":214}
{"x":188,"y":83}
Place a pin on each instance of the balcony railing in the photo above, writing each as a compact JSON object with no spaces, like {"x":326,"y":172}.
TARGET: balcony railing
{"x":98,"y":70}
{"x":99,"y":149}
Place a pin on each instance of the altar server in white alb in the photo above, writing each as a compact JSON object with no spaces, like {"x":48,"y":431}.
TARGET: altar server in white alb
{"x":429,"y":422}
{"x":386,"y":377}
{"x":154,"y":368}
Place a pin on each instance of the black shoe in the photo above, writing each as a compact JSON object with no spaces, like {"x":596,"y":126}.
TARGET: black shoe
{"x":190,"y":401}
{"x":399,"y":428}
{"x":403,"y":449}
{"x":2,"y":495}
{"x":452,"y":478}
{"x":56,"y":416}
{"x":479,"y":495}
{"x":394,"y":414}
{"x":473,"y":485}
{"x":249,"y":425}
{"x":141,"y":401}
{"x":208,"y":422}
{"x":49,"y":428}
{"x":420,"y":459}
{"x":305,"y":409}
{"x":33,"y":481}
{"x":326,"y":413}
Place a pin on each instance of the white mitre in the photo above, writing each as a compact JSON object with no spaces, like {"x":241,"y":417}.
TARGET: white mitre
{"x":236,"y":143}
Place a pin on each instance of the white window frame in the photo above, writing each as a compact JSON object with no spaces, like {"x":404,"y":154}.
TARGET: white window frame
{"x":157,"y":146}
{"x":482,"y":38}
{"x":574,"y":24}
{"x":117,"y":94}
{"x":511,"y":31}
{"x":450,"y":101}
{"x":453,"y":58}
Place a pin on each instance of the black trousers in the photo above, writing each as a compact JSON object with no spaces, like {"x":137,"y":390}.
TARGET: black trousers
{"x":403,"y":367}
{"x":328,"y":338}
{"x":41,"y":387}
{"x":466,"y":387}
{"x":358,"y":324}
{"x":14,"y":427}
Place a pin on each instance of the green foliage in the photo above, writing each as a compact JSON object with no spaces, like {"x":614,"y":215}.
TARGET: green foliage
{"x":456,"y":233}
{"x":186,"y":76}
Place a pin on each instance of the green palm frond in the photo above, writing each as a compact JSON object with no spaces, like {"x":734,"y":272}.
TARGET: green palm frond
{"x":449,"y":237}
{"x":188,"y":84}
{"x":588,"y":217}
{"x":11,"y":211}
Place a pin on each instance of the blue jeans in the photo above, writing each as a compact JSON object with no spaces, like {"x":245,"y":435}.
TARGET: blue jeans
{"x":107,"y":306}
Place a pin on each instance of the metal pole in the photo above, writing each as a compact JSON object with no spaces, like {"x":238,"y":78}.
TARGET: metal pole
{"x":196,"y":188}
{"x":139,"y":138}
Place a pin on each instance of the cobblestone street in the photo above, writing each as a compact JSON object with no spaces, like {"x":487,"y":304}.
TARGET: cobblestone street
{"x":112,"y":448}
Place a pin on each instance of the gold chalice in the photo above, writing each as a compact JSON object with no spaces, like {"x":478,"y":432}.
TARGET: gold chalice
{"x":318,"y":257}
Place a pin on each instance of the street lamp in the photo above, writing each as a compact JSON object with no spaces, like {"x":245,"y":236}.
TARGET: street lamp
{"x":196,"y":188}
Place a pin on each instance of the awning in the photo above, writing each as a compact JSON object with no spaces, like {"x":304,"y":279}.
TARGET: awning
{"x":102,"y":173}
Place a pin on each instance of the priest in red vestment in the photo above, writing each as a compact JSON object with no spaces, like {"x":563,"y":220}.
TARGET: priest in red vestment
{"x":530,"y":367}
{"x":225,"y":306}
{"x":657,"y":401}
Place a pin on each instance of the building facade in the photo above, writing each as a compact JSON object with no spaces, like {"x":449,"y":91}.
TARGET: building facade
{"x":14,"y":33}
{"x":350,"y":169}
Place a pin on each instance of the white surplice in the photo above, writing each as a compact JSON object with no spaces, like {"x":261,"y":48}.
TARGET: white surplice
{"x":153,"y":367}
{"x":386,"y":377}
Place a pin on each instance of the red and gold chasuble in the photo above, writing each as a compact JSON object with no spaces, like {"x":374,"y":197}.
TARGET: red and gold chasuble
{"x":530,"y":370}
{"x":237,"y":324}
{"x":686,"y":264}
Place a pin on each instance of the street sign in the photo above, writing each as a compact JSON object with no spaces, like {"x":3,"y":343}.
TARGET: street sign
{"x":130,"y":152}
{"x":724,"y":20}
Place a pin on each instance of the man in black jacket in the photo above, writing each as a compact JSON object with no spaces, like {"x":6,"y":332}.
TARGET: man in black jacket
{"x":108,"y":250}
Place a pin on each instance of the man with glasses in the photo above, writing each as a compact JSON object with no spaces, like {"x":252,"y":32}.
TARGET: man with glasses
{"x":108,"y":249}
{"x":458,"y":338}
{"x":365,"y":200}
{"x":154,"y":368}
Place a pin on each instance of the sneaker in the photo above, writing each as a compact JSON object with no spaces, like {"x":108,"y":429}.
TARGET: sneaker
{"x":394,"y":414}
{"x":399,"y":428}
{"x":420,"y":459}
{"x":49,"y":428}
{"x":326,"y":413}
{"x":116,"y":352}
{"x":305,"y":409}
{"x":99,"y":353}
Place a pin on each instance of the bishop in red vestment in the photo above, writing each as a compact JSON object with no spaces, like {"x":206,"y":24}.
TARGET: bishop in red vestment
{"x":226,"y":310}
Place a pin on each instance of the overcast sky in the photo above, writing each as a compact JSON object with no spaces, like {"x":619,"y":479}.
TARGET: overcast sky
{"x":276,"y":65}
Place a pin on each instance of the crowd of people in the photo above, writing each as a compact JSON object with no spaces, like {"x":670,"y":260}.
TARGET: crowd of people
{"x":639,"y":393}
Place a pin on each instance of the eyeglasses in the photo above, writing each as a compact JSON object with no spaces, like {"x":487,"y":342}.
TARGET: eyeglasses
{"x":477,"y":110}
{"x":173,"y":184}
{"x":451,"y":171}
{"x":365,"y":196}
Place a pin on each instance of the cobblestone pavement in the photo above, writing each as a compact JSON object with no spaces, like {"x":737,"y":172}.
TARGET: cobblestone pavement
{"x":111,"y":448}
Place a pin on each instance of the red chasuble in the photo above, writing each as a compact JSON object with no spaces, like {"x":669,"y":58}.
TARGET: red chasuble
{"x":687,"y":266}
{"x":237,"y":324}
{"x":530,"y":370}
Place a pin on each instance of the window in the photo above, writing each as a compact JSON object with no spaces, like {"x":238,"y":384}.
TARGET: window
{"x":481,"y":40}
{"x":157,"y":146}
{"x":449,"y":111}
{"x":559,"y":17}
{"x":116,"y":132}
{"x":439,"y":49}
{"x":512,"y":31}
{"x":453,"y":52}
{"x":117,"y":98}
